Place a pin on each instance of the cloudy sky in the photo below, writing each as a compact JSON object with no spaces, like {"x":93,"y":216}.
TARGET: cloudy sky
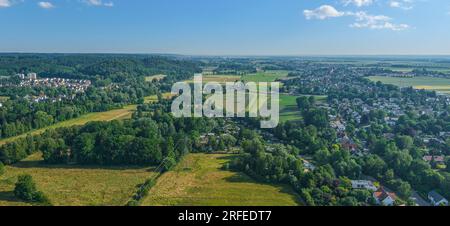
{"x":227,"y":27}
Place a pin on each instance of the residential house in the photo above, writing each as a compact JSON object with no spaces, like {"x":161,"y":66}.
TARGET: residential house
{"x":437,"y":199}
{"x":385,"y":198}
{"x":363,"y":184}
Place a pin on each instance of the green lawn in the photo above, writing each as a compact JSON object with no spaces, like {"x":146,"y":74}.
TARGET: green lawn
{"x":199,"y":180}
{"x":428,"y":83}
{"x":71,"y":185}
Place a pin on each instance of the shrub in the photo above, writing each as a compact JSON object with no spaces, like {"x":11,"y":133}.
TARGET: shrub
{"x":2,"y":169}
{"x":26,"y":190}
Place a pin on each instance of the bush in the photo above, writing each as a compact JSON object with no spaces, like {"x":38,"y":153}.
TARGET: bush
{"x":2,"y":169}
{"x":26,"y":190}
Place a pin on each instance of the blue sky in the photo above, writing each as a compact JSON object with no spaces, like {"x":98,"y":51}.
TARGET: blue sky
{"x":227,"y":27}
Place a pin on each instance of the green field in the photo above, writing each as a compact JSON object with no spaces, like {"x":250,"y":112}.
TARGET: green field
{"x":429,"y":83}
{"x":123,"y":113}
{"x":222,"y":79}
{"x":288,"y":107}
{"x":154,"y":98}
{"x":70,"y":185}
{"x":200,"y":181}
{"x":268,"y":76}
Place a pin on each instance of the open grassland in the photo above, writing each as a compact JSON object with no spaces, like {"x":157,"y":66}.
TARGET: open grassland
{"x":69,"y":185}
{"x":268,"y":76}
{"x":222,"y":79}
{"x":117,"y":114}
{"x":154,"y":77}
{"x":154,"y":98}
{"x":288,"y":107}
{"x":429,"y":83}
{"x":199,"y":180}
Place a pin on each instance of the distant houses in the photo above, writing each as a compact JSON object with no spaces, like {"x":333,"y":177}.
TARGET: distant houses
{"x":436,"y":199}
{"x":363,"y":184}
{"x":436,"y":159}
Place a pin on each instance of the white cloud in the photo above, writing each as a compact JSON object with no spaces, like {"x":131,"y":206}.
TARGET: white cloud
{"x":46,"y":5}
{"x":362,"y":19}
{"x":358,"y":3}
{"x":402,"y":4}
{"x":5,"y":3}
{"x":99,"y":3}
{"x":323,"y":12}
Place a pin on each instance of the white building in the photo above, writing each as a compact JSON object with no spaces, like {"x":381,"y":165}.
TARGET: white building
{"x":32,"y":76}
{"x":363,"y":184}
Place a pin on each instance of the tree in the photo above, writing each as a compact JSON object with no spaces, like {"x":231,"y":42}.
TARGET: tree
{"x":2,"y":169}
{"x":26,"y":190}
{"x":404,"y":142}
{"x":447,"y":163}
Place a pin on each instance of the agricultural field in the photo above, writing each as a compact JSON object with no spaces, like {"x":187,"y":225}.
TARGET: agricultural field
{"x":70,"y":185}
{"x":441,"y":85}
{"x":268,"y":76}
{"x":199,"y":180}
{"x":222,"y":79}
{"x":154,"y":77}
{"x":117,"y":114}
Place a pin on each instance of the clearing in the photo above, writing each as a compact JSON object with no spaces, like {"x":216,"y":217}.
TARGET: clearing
{"x":71,"y":185}
{"x":199,"y":180}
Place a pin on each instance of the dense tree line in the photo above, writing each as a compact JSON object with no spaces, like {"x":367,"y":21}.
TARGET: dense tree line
{"x":117,"y":80}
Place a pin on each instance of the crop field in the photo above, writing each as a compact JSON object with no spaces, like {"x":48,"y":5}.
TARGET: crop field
{"x":268,"y":76}
{"x":117,"y":114}
{"x":429,"y":83}
{"x":199,"y":180}
{"x":222,"y":79}
{"x":70,"y":185}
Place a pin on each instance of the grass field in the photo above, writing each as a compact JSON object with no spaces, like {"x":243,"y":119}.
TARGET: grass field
{"x":69,"y":185}
{"x":222,"y":79}
{"x":199,"y":180}
{"x":288,"y":107}
{"x":268,"y":76}
{"x":154,"y":98}
{"x":123,"y":113}
{"x":437,"y":84}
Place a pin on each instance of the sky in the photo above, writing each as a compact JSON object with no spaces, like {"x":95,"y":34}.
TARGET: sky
{"x":227,"y":27}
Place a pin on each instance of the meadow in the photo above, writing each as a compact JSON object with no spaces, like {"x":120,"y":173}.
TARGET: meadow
{"x":71,"y":185}
{"x":288,"y":107}
{"x":441,"y":85}
{"x":200,"y":180}
{"x":268,"y":76}
{"x":116,"y":114}
{"x":222,"y":79}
